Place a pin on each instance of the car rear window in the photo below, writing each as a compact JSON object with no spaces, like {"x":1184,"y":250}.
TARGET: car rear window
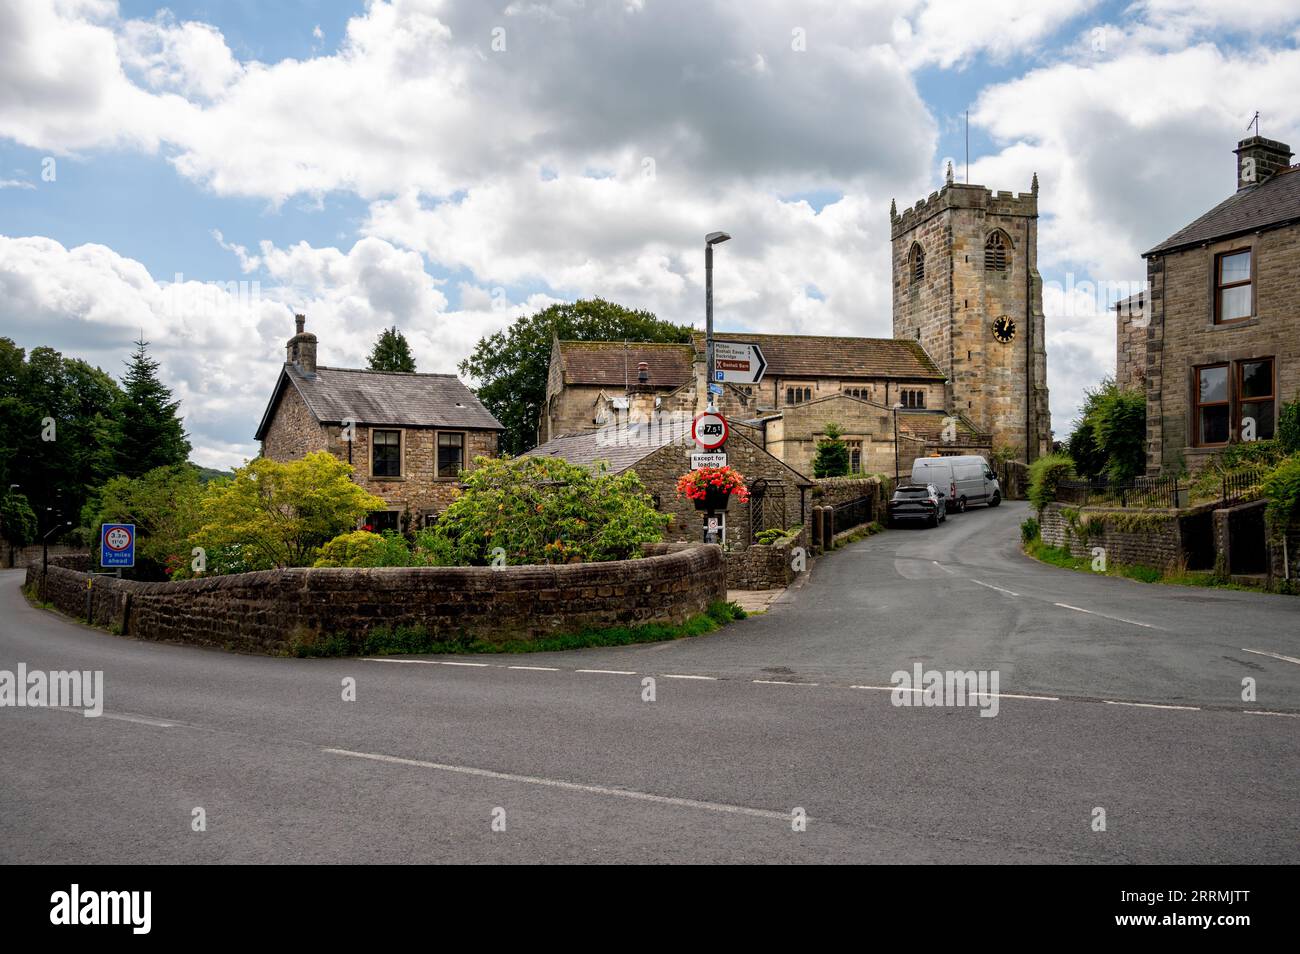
{"x":912,"y":492}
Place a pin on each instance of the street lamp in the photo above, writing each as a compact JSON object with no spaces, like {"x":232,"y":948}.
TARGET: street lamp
{"x":897,"y":408}
{"x":45,"y":546}
{"x":710,"y":240}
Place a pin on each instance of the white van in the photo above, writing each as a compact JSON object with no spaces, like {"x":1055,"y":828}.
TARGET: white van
{"x":968,"y":479}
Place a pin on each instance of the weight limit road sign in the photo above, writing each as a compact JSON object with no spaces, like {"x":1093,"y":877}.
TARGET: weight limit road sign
{"x":739,"y":362}
{"x":709,"y":430}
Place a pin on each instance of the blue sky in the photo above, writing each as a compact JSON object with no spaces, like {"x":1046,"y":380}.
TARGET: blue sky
{"x":447,"y":166}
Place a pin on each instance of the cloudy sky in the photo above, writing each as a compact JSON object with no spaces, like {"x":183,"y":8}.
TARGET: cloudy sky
{"x":447,"y":166}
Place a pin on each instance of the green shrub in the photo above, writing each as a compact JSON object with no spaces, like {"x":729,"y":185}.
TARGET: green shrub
{"x":1110,"y":436}
{"x":1030,"y":530}
{"x":1044,"y":474}
{"x":545,"y":510}
{"x":1288,"y":427}
{"x":354,"y":548}
{"x":1282,"y":488}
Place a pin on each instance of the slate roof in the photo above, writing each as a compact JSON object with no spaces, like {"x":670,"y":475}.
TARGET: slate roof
{"x":1274,"y":202}
{"x":620,"y":447}
{"x":792,"y":356}
{"x":928,"y":426}
{"x":614,"y":363}
{"x":334,"y":395}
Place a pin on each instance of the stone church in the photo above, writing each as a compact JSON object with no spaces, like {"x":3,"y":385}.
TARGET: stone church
{"x":964,"y":373}
{"x":966,"y":286}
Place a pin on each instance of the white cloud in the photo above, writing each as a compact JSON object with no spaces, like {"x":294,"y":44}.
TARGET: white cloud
{"x":221,"y":346}
{"x":951,"y":33}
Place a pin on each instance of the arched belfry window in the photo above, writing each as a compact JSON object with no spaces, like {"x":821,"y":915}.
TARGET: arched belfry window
{"x":916,"y":263}
{"x":997,"y":252}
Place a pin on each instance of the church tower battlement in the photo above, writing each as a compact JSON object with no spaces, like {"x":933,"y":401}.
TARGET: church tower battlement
{"x":966,"y":285}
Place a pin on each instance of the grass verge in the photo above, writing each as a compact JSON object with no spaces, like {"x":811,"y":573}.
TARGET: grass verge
{"x":403,"y":640}
{"x":1062,"y":557}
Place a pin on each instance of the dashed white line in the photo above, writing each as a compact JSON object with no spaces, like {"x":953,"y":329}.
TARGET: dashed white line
{"x":1151,"y":705}
{"x":1118,"y":619}
{"x":670,"y":675}
{"x":118,"y":717}
{"x":609,"y":672}
{"x":992,"y":587}
{"x":536,"y":668}
{"x":781,"y":682}
{"x":939,"y":565}
{"x":474,"y":665}
{"x":422,"y":662}
{"x":1265,"y":652}
{"x":570,"y":786}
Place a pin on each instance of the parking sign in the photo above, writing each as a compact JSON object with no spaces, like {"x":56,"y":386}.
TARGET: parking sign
{"x":117,"y":545}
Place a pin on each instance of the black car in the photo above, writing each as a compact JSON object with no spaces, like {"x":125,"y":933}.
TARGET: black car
{"x":922,"y":502}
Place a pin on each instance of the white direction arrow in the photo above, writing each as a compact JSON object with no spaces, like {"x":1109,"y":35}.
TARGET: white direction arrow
{"x":740,"y":362}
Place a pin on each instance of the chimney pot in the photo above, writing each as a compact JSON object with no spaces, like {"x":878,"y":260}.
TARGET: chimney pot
{"x":300,"y":350}
{"x":643,"y":372}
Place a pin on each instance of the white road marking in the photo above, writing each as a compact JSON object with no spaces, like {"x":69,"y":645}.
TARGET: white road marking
{"x":1118,"y":619}
{"x":1150,"y":705}
{"x":982,"y":695}
{"x":536,"y":668}
{"x":474,"y":665}
{"x":118,"y":717}
{"x":669,"y":675}
{"x":781,"y":682}
{"x":569,"y":786}
{"x":887,"y":688}
{"x":422,"y":662}
{"x":610,"y":672}
{"x":1289,"y":715}
{"x":939,"y":565}
{"x":1264,"y":652}
{"x":992,"y":587}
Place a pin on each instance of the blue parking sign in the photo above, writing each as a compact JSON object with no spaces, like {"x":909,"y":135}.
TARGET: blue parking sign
{"x":117,"y":544}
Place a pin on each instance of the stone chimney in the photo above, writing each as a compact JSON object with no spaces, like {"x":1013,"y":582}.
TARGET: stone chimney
{"x":300,"y":350}
{"x":1259,"y":159}
{"x":641,"y":395}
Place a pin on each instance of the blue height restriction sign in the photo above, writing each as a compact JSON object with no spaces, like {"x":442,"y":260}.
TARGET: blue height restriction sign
{"x":117,"y":544}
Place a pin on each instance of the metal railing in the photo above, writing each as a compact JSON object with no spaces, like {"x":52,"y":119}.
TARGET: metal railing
{"x":1242,"y":485}
{"x":1152,"y":492}
{"x":853,"y":513}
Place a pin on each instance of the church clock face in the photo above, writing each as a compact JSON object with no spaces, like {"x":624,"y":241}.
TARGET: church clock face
{"x":1004,"y":329}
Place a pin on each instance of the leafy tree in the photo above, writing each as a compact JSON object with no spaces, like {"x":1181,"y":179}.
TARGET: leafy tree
{"x":151,"y":431}
{"x":511,"y":365}
{"x":546,"y":510}
{"x":57,"y":428}
{"x":391,"y":352}
{"x":1282,"y":488}
{"x":17,"y":521}
{"x":832,"y":457}
{"x":1109,"y":438}
{"x":281,"y":514}
{"x":164,"y":506}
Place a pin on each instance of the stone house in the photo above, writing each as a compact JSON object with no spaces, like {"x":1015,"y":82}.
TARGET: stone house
{"x":660,"y":451}
{"x":408,"y":436}
{"x":592,"y":384}
{"x":1219,"y":339}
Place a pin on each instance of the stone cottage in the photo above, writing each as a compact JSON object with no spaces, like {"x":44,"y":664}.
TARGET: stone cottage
{"x":659,"y":451}
{"x":1216,"y":344}
{"x":407,"y":435}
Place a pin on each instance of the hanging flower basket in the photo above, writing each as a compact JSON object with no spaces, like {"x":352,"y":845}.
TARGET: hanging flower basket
{"x":711,"y":488}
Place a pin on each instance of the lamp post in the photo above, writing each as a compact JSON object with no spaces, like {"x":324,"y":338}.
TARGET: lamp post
{"x":710,"y":240}
{"x":897,"y":406}
{"x":45,"y":546}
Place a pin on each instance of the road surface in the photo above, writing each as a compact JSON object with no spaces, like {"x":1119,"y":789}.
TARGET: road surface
{"x":773,"y":715}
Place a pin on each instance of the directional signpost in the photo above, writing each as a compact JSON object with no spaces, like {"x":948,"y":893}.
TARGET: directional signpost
{"x":117,"y":545}
{"x":738,"y":362}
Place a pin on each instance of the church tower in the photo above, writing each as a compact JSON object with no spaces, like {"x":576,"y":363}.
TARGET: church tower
{"x":966,"y":285}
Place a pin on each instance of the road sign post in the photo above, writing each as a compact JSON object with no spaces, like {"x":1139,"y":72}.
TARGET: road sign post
{"x":117,"y":545}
